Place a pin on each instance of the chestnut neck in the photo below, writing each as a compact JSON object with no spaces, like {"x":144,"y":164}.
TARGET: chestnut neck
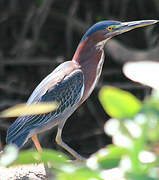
{"x":88,"y":56}
{"x":87,"y":52}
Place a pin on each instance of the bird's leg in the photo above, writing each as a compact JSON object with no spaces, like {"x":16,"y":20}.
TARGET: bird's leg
{"x":39,"y":148}
{"x":36,"y":142}
{"x":66,"y":147}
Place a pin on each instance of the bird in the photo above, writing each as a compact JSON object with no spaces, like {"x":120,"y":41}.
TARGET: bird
{"x":70,"y":84}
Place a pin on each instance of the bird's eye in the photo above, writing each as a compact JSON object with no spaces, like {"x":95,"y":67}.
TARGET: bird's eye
{"x":109,"y":28}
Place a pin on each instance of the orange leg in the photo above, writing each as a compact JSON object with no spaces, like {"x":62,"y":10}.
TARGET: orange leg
{"x":39,"y":148}
{"x":36,"y":142}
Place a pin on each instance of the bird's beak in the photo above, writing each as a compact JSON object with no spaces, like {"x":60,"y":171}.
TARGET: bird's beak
{"x":127,"y":26}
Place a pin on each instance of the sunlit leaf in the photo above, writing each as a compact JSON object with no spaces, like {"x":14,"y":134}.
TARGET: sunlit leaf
{"x":151,"y":120}
{"x":147,"y":157}
{"x":139,"y":143}
{"x":32,"y":156}
{"x":151,"y":109}
{"x":122,"y":140}
{"x":82,"y":173}
{"x":133,"y":176}
{"x":107,"y":157}
{"x":133,"y":128}
{"x":25,"y":109}
{"x":9,"y":154}
{"x":125,"y":163}
{"x":112,"y":126}
{"x":151,"y":105}
{"x":118,"y":103}
{"x":112,"y":174}
{"x":145,"y":72}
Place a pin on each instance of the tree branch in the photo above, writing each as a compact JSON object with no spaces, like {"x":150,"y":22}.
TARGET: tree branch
{"x":121,"y":54}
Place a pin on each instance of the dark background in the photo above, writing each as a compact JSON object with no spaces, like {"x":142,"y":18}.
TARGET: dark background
{"x":38,"y":35}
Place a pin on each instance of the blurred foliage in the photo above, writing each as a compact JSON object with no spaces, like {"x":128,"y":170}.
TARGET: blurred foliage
{"x":132,"y":156}
{"x":119,"y":104}
{"x":9,"y":154}
{"x":47,"y":155}
{"x":29,"y":109}
{"x":146,"y":78}
{"x":36,"y":36}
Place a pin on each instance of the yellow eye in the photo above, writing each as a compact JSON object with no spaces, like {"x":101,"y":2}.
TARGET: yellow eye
{"x":109,"y":28}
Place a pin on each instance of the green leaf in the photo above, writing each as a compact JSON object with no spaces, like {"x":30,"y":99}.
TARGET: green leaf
{"x":82,"y":173}
{"x":9,"y":154}
{"x":110,"y":157}
{"x":133,"y":176}
{"x":151,"y":105}
{"x":151,"y":110}
{"x":31,"y":109}
{"x":118,"y":103}
{"x":32,"y":156}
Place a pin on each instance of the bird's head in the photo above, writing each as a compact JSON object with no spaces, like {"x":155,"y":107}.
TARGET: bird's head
{"x":104,"y":30}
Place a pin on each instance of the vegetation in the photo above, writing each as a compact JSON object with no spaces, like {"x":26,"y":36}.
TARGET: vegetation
{"x":134,"y":154}
{"x":35,"y":37}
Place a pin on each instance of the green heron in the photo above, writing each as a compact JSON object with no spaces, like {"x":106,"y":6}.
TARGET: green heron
{"x":70,"y":84}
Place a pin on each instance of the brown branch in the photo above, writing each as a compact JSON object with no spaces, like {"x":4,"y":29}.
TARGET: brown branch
{"x":20,"y":46}
{"x":9,"y":89}
{"x":124,"y":8}
{"x":40,"y":18}
{"x":69,"y":29}
{"x":122,"y":54}
{"x":7,"y":103}
{"x":123,"y":85}
{"x":31,"y":61}
{"x":77,"y":24}
{"x":156,"y":2}
{"x":35,"y":18}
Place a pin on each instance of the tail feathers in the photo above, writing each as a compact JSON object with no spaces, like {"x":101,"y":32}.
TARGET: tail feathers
{"x":18,"y":140}
{"x":17,"y":133}
{"x":16,"y":128}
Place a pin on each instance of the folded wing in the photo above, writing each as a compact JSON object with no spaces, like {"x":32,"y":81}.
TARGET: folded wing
{"x":67,"y":91}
